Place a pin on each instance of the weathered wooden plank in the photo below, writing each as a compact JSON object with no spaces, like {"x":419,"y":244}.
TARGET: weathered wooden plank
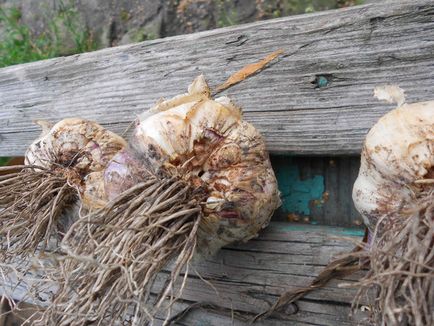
{"x":349,"y":51}
{"x":308,"y":314}
{"x":249,"y":277}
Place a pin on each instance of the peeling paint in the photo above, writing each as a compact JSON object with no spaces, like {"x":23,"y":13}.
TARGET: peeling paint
{"x":333,"y":176}
{"x":335,"y":231}
{"x":299,"y":194}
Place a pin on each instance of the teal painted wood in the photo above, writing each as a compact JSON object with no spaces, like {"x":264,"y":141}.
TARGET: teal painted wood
{"x":283,"y":229}
{"x":317,"y":190}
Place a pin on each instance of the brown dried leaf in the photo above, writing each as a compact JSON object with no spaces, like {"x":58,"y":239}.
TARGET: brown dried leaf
{"x":248,"y":71}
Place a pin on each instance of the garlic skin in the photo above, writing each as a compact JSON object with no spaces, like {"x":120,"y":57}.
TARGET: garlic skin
{"x":80,"y":147}
{"x":207,"y":141}
{"x":398,"y":152}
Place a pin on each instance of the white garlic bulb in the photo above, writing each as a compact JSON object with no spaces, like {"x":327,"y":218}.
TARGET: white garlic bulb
{"x":397,"y":156}
{"x":58,"y":176}
{"x":79,"y":147}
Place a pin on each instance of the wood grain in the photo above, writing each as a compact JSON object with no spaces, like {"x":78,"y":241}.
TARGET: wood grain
{"x":249,"y":277}
{"x":354,"y":49}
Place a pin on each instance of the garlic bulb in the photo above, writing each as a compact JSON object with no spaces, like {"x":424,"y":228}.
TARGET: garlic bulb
{"x":64,"y":164}
{"x":81,"y":148}
{"x":394,"y":193}
{"x":397,"y":156}
{"x":194,"y":178}
{"x":207,"y":142}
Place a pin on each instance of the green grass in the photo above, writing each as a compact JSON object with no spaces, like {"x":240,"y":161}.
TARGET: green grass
{"x":227,"y":15}
{"x":18,"y":44}
{"x":4,"y":160}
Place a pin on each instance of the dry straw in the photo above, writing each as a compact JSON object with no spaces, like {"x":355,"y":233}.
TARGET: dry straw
{"x":32,"y":199}
{"x":401,"y":267}
{"x":115,"y":253}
